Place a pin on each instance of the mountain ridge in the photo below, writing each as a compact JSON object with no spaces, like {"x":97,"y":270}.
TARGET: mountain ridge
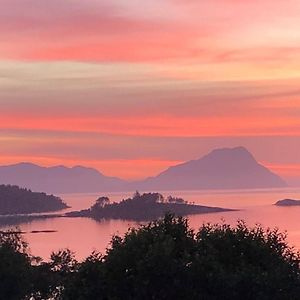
{"x":59,"y":179}
{"x":223,"y":168}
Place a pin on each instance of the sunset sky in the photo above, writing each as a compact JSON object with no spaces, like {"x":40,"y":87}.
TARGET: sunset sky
{"x":131,"y":87}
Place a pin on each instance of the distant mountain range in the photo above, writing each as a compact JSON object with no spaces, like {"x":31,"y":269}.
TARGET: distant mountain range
{"x":228,"y":168}
{"x":59,"y":179}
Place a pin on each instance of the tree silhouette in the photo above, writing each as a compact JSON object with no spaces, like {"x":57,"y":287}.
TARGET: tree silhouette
{"x":162,"y":260}
{"x":165,"y":259}
{"x":101,"y":202}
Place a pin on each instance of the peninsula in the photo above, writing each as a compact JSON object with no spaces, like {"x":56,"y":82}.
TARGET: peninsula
{"x":288,"y":202}
{"x":16,"y":200}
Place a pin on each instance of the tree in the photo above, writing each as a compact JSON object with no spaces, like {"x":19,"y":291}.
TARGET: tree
{"x":15,"y":266}
{"x":101,"y":202}
{"x":88,"y":282}
{"x":136,"y":195}
{"x":63,"y":262}
{"x":165,"y":259}
{"x":161,"y":260}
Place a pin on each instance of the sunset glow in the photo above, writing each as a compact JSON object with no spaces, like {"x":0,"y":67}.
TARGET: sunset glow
{"x":133,"y":87}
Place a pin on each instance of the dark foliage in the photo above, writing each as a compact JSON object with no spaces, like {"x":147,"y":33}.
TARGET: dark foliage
{"x":88,"y":282}
{"x":16,"y":200}
{"x":162,"y":260}
{"x":23,"y":276}
{"x":148,"y":206}
{"x":15,"y":266}
{"x":167,"y":260}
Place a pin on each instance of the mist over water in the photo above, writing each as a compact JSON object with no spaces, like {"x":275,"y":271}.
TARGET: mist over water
{"x":84,"y":235}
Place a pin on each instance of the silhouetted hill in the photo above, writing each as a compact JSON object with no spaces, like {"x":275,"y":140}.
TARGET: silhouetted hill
{"x":147,"y":206}
{"x":15,"y":200}
{"x":228,"y":168}
{"x":58,"y":179}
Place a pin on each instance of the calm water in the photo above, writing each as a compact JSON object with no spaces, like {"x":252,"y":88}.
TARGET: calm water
{"x":84,"y":235}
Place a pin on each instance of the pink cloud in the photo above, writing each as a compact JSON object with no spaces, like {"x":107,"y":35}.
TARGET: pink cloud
{"x":212,"y":31}
{"x":177,"y":72}
{"x":92,"y":31}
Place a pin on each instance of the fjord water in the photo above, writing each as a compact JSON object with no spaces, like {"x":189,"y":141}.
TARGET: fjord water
{"x":83,"y":235}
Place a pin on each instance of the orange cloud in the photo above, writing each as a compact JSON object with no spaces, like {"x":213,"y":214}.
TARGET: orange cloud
{"x":247,"y":125}
{"x":110,"y":31}
{"x":157,"y":69}
{"x":89,"y":32}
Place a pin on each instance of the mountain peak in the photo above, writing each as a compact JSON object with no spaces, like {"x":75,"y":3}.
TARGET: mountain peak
{"x":238,"y":149}
{"x":25,"y":164}
{"x":225,"y":168}
{"x":230,"y":156}
{"x":241,"y":151}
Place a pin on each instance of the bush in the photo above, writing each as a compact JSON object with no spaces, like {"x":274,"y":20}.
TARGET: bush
{"x":15,"y":266}
{"x":162,"y":260}
{"x":167,"y":260}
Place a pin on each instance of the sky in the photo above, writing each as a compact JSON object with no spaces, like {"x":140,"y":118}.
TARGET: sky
{"x":133,"y":87}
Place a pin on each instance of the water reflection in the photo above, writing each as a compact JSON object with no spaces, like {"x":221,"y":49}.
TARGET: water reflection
{"x":84,"y":235}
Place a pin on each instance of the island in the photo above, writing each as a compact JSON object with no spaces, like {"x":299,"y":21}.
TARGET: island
{"x":143,"y":207}
{"x":15,"y":200}
{"x":288,"y":202}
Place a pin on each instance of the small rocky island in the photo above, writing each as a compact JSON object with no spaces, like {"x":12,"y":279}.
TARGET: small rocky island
{"x":16,"y":200}
{"x":288,"y":202}
{"x":143,"y":207}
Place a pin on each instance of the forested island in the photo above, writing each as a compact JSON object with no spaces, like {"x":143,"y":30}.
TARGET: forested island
{"x":142,"y":207}
{"x":16,"y":200}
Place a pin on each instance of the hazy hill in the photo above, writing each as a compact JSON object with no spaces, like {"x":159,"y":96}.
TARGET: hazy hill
{"x":288,"y":202}
{"x":58,"y":179}
{"x":228,"y":168}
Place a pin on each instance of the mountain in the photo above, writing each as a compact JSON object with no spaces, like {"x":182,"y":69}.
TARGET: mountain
{"x":228,"y":168}
{"x":59,"y":179}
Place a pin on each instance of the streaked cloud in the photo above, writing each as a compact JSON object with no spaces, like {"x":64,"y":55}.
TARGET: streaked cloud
{"x":146,"y":84}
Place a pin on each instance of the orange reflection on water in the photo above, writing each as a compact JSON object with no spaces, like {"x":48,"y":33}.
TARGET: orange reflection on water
{"x":83,"y":235}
